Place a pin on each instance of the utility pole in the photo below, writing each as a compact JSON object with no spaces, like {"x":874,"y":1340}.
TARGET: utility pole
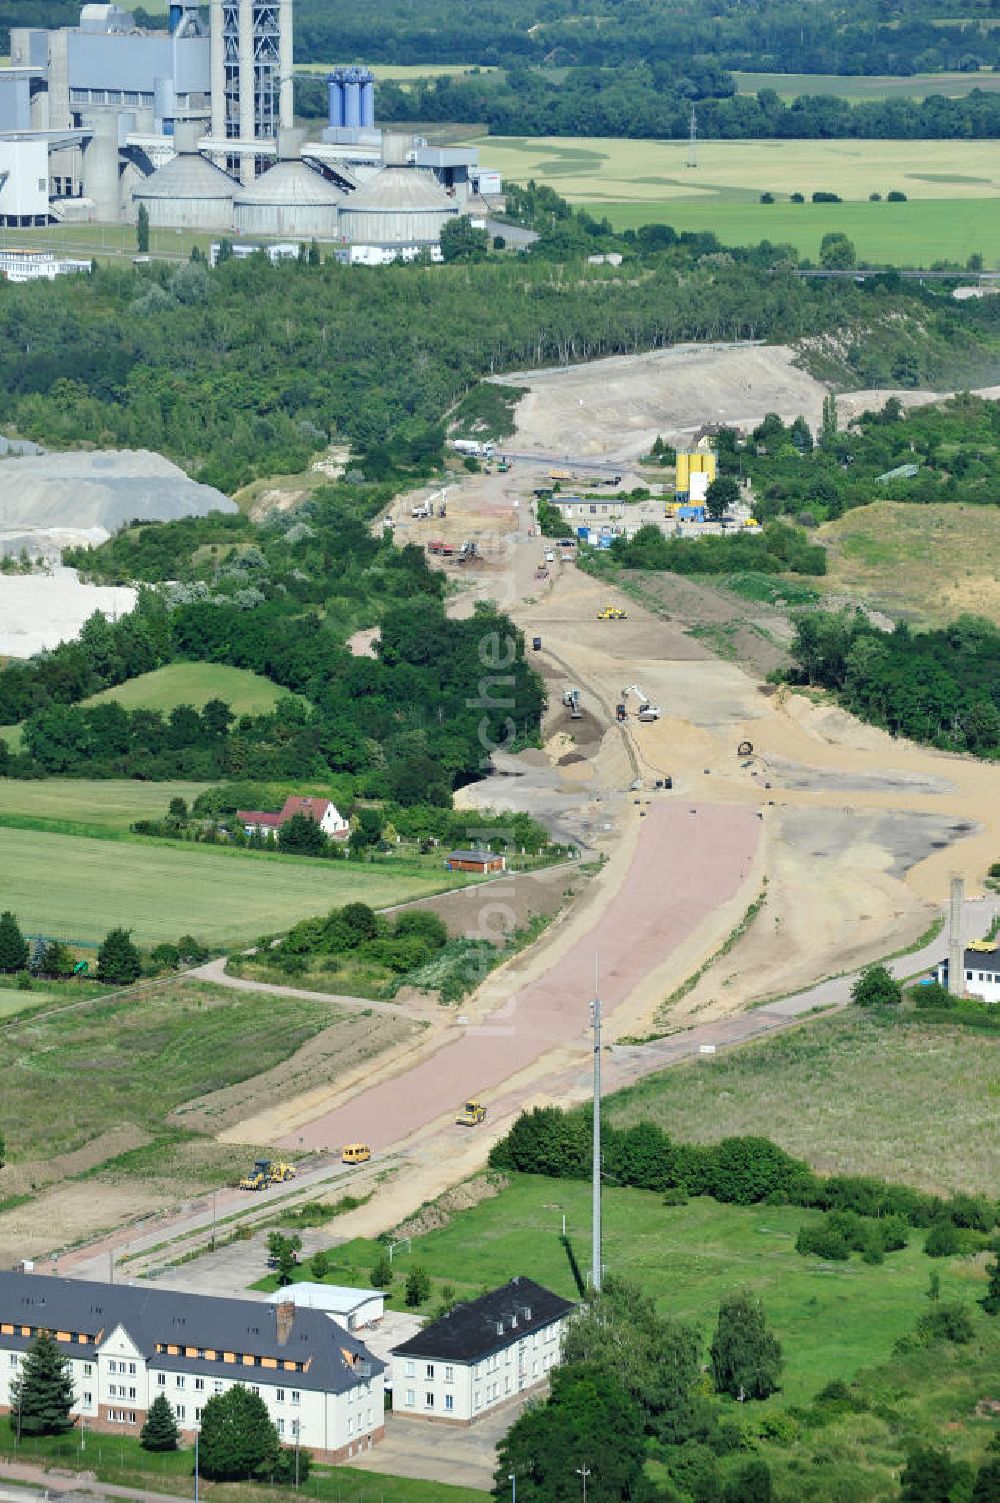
{"x":595,"y":1253}
{"x":196,"y":1435}
{"x":583,"y":1472}
{"x":692,"y":159}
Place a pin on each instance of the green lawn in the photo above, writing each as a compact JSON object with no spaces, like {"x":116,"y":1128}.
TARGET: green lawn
{"x":916,"y":233}
{"x":114,"y":803}
{"x":850,"y":1093}
{"x":121,"y":1461}
{"x":76,"y":887}
{"x":194,"y":684}
{"x":832,"y":1319}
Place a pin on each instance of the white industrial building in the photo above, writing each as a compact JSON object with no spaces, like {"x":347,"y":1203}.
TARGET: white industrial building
{"x":982,"y":973}
{"x":354,"y":1308}
{"x":100,"y":118}
{"x":481,"y":1354}
{"x":127,"y":1344}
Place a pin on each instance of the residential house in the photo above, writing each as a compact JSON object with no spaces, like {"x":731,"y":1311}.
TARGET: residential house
{"x":326,"y":815}
{"x":982,"y":973}
{"x":480,"y":1355}
{"x":127,"y":1344}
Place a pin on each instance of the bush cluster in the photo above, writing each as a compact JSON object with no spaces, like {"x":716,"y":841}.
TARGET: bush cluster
{"x":400,"y":946}
{"x":864,"y":1213}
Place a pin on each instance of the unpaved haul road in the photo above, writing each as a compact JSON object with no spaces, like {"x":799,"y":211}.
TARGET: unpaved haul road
{"x":688,"y":860}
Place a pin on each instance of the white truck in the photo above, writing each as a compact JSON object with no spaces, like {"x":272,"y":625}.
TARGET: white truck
{"x":473,"y":447}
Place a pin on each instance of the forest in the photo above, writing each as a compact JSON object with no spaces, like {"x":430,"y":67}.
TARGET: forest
{"x":652,"y":100}
{"x":248,"y":370}
{"x":412,"y":723}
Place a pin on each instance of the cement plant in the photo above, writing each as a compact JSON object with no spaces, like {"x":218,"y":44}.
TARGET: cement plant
{"x":196,"y":125}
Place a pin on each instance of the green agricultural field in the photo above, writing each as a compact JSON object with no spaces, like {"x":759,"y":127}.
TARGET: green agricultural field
{"x":112,"y":804}
{"x":194,"y":684}
{"x":831,"y":1319}
{"x":873,"y":86}
{"x":952,"y":188}
{"x":851,"y":1094}
{"x":77,"y":888}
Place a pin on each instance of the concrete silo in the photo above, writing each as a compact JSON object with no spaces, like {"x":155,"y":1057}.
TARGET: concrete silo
{"x":188,"y":192}
{"x":400,"y":208}
{"x":289,"y":201}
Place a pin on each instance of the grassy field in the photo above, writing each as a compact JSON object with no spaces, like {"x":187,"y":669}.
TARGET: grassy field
{"x":113,"y":803}
{"x":874,"y":86}
{"x":952,"y":188}
{"x":194,"y":684}
{"x":140,"y":1057}
{"x":851,"y":1094}
{"x":77,"y":888}
{"x":926,"y":564}
{"x":831,"y":1319}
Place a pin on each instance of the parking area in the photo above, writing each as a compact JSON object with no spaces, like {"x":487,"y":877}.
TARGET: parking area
{"x":463,"y":1455}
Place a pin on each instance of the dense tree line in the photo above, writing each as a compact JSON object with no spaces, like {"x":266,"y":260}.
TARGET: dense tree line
{"x":853,"y":36}
{"x":654,"y":100}
{"x":941,"y":687}
{"x":780,"y":549}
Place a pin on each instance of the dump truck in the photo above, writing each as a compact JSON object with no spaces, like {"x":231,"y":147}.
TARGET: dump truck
{"x":612,"y":613}
{"x":472,"y":1113}
{"x":259,"y":1177}
{"x":571,"y":700}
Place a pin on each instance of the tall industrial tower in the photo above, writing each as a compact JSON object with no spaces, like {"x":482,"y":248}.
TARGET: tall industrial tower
{"x":251,"y":49}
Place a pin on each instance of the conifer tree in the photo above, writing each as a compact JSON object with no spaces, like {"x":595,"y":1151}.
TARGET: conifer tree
{"x":118,"y":959}
{"x":13,"y":945}
{"x":41,"y":1396}
{"x":238,"y":1440}
{"x":160,"y":1432}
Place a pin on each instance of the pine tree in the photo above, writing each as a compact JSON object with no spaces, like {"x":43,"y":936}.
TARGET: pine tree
{"x":13,"y":945}
{"x":160,"y":1432}
{"x":118,"y":959}
{"x":41,"y":1396}
{"x":991,"y":1299}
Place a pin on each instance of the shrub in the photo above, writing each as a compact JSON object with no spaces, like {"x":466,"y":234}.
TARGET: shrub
{"x":822,"y":196}
{"x":943,"y":1240}
{"x":381,"y":1275}
{"x":418,"y":1287}
{"x":931,"y":994}
{"x":945,"y":1322}
{"x":972,"y":1211}
{"x":876,"y":987}
{"x":418,"y":924}
{"x":767,"y":198}
{"x":895,"y":197}
{"x":742,"y":1171}
{"x":797,"y":198}
{"x":823,"y":1241}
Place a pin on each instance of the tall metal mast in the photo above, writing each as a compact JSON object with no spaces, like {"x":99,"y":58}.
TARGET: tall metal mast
{"x":692,"y":160}
{"x":595,"y":1256}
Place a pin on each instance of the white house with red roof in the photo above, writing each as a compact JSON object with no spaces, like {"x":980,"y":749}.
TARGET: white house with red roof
{"x":326,"y":815}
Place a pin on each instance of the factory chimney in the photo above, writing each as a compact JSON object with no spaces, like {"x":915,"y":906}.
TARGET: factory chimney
{"x":956,"y":949}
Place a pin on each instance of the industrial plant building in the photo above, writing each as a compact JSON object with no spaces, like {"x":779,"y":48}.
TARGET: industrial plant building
{"x":195,"y":123}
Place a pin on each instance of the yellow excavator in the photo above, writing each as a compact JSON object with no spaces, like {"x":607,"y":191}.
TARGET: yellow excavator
{"x":612,"y":613}
{"x":472,"y":1113}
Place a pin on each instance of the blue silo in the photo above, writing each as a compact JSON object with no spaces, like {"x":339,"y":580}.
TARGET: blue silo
{"x":352,"y":97}
{"x":367,"y":98}
{"x":336,"y":97}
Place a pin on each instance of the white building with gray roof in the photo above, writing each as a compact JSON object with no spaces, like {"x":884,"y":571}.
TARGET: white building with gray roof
{"x":128,"y":1344}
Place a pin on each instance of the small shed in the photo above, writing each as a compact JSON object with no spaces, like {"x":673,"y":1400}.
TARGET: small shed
{"x":481,"y":862}
{"x":352,"y":1308}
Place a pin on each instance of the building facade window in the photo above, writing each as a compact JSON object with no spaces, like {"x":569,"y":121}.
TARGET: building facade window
{"x":429,"y":1370}
{"x":411,"y":1398}
{"x":161,"y":1380}
{"x":280,"y":1426}
{"x":279,"y":1394}
{"x":199,"y":1384}
{"x":428,"y":1400}
{"x":449,"y":1374}
{"x":449,"y":1401}
{"x":411,"y":1369}
{"x":296,"y":1396}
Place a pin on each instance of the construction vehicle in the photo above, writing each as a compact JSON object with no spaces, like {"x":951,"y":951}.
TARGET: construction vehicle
{"x":259,"y":1178}
{"x":355,"y":1153}
{"x":424,"y":509}
{"x":438,"y":545}
{"x":472,"y":1113}
{"x":571,"y":699}
{"x":645,"y":712}
{"x":281,"y":1172}
{"x":612,"y":613}
{"x":468,"y":552}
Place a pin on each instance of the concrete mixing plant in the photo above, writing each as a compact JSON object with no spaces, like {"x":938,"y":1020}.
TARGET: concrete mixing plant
{"x":252,"y":80}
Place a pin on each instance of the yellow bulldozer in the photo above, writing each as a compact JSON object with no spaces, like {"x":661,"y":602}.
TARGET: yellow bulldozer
{"x":264,"y":1173}
{"x":472,"y":1113}
{"x":281,"y":1172}
{"x":612,"y":613}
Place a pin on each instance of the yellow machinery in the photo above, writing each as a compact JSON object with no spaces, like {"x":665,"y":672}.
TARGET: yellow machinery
{"x":611,"y":613}
{"x":356,"y":1153}
{"x":259,"y":1178}
{"x":982,"y":946}
{"x":694,"y":463}
{"x":472,"y":1113}
{"x":281,"y":1172}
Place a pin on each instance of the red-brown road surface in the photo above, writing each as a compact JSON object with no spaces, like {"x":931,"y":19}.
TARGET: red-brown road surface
{"x":688,"y":860}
